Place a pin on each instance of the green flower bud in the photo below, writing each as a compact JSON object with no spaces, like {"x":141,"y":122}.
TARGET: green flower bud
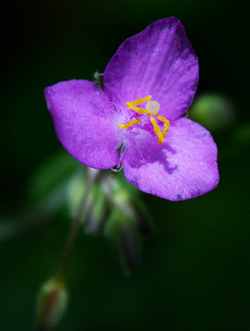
{"x":52,"y":303}
{"x":123,"y":232}
{"x":76,"y":192}
{"x":119,"y":195}
{"x":97,"y":211}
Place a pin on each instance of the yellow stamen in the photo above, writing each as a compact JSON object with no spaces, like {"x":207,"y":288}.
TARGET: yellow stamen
{"x":166,"y":124}
{"x":129,"y":124}
{"x":140,"y":111}
{"x":157,"y":130}
{"x":151,"y":110}
{"x":139,"y":101}
{"x":133,"y":105}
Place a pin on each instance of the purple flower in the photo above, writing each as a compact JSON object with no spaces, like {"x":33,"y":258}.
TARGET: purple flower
{"x":138,"y":120}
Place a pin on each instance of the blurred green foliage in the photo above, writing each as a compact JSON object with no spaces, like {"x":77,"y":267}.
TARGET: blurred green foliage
{"x":213,"y":111}
{"x":195,"y":272}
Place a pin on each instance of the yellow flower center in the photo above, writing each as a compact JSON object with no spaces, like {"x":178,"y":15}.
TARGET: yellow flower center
{"x":151,"y":110}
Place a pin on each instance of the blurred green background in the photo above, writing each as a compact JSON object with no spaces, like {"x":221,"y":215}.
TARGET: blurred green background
{"x":195,"y":272}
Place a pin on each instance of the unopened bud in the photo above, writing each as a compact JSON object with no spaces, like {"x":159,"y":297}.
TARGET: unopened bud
{"x":52,"y":303}
{"x":96,"y":214}
{"x":76,"y":192}
{"x":124,"y":233}
{"x":119,"y":195}
{"x":129,"y":245}
{"x":213,"y":111}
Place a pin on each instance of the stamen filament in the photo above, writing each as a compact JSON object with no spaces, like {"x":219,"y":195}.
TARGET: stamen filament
{"x":129,"y":124}
{"x":157,"y":130}
{"x":166,"y":125}
{"x":139,"y":110}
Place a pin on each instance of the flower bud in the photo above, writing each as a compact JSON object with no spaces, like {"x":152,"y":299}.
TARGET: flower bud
{"x":52,"y":303}
{"x":76,"y":192}
{"x":97,"y":212}
{"x":119,"y":195}
{"x":123,"y":231}
{"x":81,"y":186}
{"x":213,"y":111}
{"x":129,"y":245}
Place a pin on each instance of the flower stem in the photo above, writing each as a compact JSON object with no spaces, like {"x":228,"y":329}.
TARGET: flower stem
{"x":78,"y":220}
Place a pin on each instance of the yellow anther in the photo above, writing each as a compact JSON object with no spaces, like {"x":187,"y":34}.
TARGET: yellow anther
{"x":153,"y":107}
{"x":151,"y":110}
{"x":133,"y":105}
{"x":139,"y":101}
{"x":129,"y":124}
{"x":157,"y":130}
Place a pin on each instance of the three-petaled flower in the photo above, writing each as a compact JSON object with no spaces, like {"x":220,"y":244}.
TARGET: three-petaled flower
{"x":137,"y":119}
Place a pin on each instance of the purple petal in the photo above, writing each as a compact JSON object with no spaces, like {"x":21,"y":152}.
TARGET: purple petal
{"x":183,"y":168}
{"x":159,"y":61}
{"x":83,"y":120}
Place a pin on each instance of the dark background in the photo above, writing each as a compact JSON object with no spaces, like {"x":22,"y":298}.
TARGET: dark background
{"x":196,"y":273}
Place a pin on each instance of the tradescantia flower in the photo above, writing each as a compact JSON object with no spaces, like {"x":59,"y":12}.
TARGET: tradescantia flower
{"x":137,"y":120}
